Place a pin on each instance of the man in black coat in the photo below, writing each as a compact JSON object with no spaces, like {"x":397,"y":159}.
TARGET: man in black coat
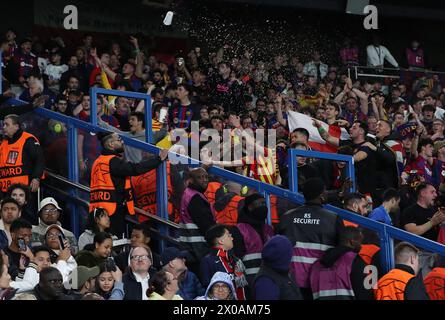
{"x":136,"y":279}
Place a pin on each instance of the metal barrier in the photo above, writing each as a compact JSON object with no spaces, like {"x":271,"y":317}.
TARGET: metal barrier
{"x":294,"y":153}
{"x":385,"y":232}
{"x":386,"y":73}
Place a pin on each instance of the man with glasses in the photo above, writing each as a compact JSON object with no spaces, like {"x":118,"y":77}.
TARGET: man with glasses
{"x":49,"y":214}
{"x":136,"y":279}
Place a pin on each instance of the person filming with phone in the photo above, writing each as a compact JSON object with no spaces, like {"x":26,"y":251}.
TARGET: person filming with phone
{"x":49,"y":214}
{"x":19,"y":252}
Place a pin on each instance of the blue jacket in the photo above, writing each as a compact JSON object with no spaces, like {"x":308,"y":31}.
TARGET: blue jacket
{"x":190,"y":287}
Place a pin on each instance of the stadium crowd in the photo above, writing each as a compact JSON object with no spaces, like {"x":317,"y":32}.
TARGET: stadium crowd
{"x":394,"y":130}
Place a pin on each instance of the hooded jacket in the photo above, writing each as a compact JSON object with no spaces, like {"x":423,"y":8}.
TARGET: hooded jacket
{"x":39,"y":231}
{"x":219,"y":277}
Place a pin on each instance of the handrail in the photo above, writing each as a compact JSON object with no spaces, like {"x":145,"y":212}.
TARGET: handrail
{"x":293,"y":153}
{"x":64,"y":180}
{"x":134,"y":95}
{"x":87,"y":189}
{"x":386,"y":232}
{"x":421,"y":70}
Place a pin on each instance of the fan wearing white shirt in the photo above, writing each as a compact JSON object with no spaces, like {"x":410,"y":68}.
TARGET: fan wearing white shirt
{"x":54,"y":71}
{"x":377,"y":54}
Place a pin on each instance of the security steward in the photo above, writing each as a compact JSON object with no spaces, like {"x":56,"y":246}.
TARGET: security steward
{"x":312,"y":229}
{"x":110,"y":180}
{"x":403,"y":282}
{"x":21,"y":156}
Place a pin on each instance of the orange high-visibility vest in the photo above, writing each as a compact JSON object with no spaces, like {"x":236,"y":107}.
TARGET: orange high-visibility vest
{"x":11,"y":162}
{"x":275,"y":219}
{"x":212,"y":187}
{"x":144,"y":187}
{"x":103,"y":190}
{"x":368,"y":251}
{"x":347,"y":223}
{"x":229,"y":215}
{"x":435,"y":284}
{"x":392,"y":285}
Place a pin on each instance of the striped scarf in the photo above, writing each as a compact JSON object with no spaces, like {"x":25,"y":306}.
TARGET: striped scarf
{"x":236,"y":269}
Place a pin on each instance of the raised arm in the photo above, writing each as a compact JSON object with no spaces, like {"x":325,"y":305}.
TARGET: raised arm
{"x":325,"y":135}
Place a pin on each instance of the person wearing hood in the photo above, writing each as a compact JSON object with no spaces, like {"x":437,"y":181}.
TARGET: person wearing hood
{"x":110,"y":180}
{"x":339,"y":273}
{"x":49,"y":214}
{"x":219,"y":288}
{"x":273,"y":281}
{"x":197,"y":215}
{"x":58,"y":250}
{"x":251,"y":233}
{"x":228,"y":203}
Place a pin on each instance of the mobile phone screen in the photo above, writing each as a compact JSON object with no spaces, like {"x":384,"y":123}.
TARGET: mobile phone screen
{"x":62,"y":245}
{"x":22,"y":245}
{"x":162,"y":114}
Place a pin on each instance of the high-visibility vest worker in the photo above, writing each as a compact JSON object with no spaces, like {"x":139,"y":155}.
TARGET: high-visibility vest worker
{"x":103,"y":191}
{"x":110,"y":180}
{"x":435,"y":284}
{"x":392,"y":285}
{"x":367,"y":252}
{"x":144,"y":187}
{"x":210,"y":192}
{"x":13,"y":168}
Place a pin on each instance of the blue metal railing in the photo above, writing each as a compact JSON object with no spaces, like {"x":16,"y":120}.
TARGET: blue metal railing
{"x":132,"y":95}
{"x":386,"y":233}
{"x":294,"y":153}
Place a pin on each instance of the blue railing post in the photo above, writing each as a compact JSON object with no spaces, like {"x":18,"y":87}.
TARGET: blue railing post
{"x":351,"y":174}
{"x":148,"y":121}
{"x":293,"y":173}
{"x":269,"y":208}
{"x":73,"y":175}
{"x":93,"y":106}
{"x":162,"y":198}
{"x":386,"y":249}
{"x":1,"y":72}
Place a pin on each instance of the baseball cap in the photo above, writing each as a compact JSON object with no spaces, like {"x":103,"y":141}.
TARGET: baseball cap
{"x":47,"y":201}
{"x":83,"y":274}
{"x":172,"y":253}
